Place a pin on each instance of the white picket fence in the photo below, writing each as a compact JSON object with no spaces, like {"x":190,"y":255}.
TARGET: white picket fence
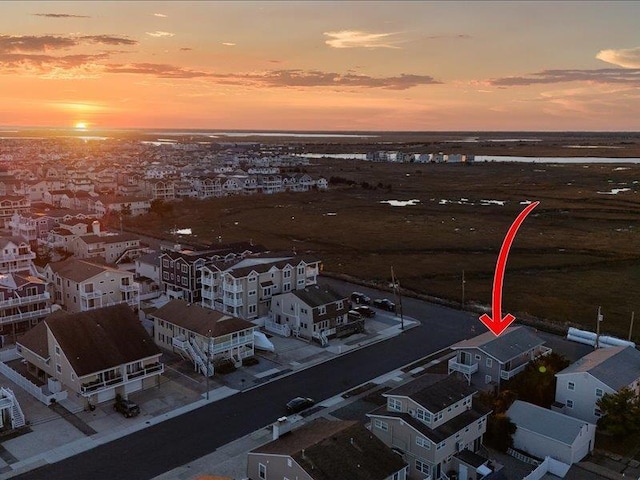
{"x":30,"y":387}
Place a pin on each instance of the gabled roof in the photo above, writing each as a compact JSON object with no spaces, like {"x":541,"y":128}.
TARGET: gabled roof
{"x":14,"y":281}
{"x":616,"y":367}
{"x":513,"y":342}
{"x":96,"y":340}
{"x":545,"y":422}
{"x":80,"y":270}
{"x":434,"y":396}
{"x":4,"y":241}
{"x":196,"y":318}
{"x":316,"y":296}
{"x":329,"y":450}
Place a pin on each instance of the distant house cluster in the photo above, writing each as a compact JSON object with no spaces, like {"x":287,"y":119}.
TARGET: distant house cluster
{"x":403,"y":157}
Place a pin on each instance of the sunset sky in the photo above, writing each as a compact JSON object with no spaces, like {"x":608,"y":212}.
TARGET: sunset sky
{"x":321,"y":65}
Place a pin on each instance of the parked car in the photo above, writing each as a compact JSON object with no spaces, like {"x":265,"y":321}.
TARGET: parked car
{"x":126,"y":407}
{"x":385,"y":304}
{"x":360,"y":298}
{"x":365,"y":311}
{"x":298,"y":404}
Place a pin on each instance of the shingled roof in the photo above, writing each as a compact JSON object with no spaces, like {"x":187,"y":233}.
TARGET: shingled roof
{"x":513,"y":342}
{"x":337,"y":449}
{"x":94,"y":340}
{"x":80,"y":270}
{"x":196,"y":318}
{"x":616,"y":367}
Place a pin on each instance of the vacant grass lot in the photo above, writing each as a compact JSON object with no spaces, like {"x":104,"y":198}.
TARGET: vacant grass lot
{"x":577,"y":250}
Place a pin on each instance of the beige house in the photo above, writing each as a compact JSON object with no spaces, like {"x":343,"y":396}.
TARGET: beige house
{"x":79,"y":285}
{"x":16,"y":256}
{"x":245,"y":287}
{"x":95,"y":354}
{"x":108,"y":246}
{"x":205,"y":336}
{"x":326,"y":450}
{"x":435,"y":426}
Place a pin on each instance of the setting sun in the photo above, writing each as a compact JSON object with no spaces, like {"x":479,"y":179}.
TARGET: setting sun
{"x":81,"y":126}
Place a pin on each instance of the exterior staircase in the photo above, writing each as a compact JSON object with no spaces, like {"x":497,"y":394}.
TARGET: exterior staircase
{"x":15,"y":412}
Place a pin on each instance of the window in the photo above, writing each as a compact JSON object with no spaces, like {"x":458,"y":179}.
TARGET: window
{"x":380,"y":425}
{"x":252,"y":293}
{"x":489,"y":362}
{"x":165,"y":263}
{"x":339,"y":305}
{"x":395,"y":404}
{"x":597,"y":412}
{"x":422,"y":467}
{"x":571,"y":385}
{"x":286,"y":274}
{"x":252,"y":309}
{"x":185,"y":269}
{"x":423,"y":415}
{"x":487,"y":379}
{"x":322,"y":310}
{"x":57,"y":350}
{"x":423,"y":442}
{"x":58,"y":368}
{"x":300,"y":270}
{"x":569,"y":403}
{"x":262,"y":471}
{"x":441,"y":445}
{"x":477,"y":357}
{"x":289,"y":462}
{"x":599,"y":392}
{"x":73,"y":377}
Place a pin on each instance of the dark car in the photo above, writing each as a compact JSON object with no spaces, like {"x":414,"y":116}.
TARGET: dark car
{"x":385,"y":304}
{"x":298,"y":404}
{"x":365,"y":311}
{"x":126,"y":407}
{"x":360,"y":298}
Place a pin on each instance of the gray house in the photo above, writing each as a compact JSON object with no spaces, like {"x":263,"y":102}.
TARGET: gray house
{"x":326,"y":450}
{"x":486,"y":360}
{"x":545,"y":433}
{"x":584,"y":382}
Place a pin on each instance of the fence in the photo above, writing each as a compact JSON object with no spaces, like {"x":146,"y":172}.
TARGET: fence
{"x":29,"y":386}
{"x":549,"y":465}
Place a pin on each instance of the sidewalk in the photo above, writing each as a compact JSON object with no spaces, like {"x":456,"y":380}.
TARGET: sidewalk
{"x":67,"y":430}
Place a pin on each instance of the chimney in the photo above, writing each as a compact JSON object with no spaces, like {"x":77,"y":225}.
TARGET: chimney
{"x":95,"y":226}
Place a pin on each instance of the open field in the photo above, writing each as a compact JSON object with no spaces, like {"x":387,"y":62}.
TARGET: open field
{"x":577,"y":250}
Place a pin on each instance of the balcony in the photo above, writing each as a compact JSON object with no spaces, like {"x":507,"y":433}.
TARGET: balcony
{"x":91,"y":295}
{"x":25,"y":316}
{"x":10,"y":257}
{"x":132,"y":287}
{"x":232,"y":287}
{"x":234,"y":342}
{"x":232,"y":302}
{"x":147,"y":371}
{"x":10,"y":302}
{"x":454,"y":366}
{"x":95,"y":386}
{"x":207,"y":280}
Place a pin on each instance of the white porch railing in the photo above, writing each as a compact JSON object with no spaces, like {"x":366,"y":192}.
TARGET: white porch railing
{"x":278,"y":328}
{"x":455,"y":366}
{"x":9,"y":302}
{"x":25,"y":315}
{"x":235,"y":342}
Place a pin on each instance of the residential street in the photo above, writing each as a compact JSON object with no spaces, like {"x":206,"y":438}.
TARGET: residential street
{"x":177,"y":441}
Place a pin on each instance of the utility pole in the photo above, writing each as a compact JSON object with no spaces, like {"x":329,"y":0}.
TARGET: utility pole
{"x":463,"y":282}
{"x":598,"y":328}
{"x":206,"y":368}
{"x":631,"y":326}
{"x":396,"y":287}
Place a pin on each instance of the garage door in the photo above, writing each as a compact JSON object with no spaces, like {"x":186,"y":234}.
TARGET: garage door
{"x":133,"y":386}
{"x":106,"y":395}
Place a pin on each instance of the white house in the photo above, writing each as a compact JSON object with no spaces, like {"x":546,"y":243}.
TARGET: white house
{"x":545,"y":433}
{"x":584,"y":382}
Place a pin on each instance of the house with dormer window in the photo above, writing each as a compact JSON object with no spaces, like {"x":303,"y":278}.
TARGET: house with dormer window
{"x":433,"y":423}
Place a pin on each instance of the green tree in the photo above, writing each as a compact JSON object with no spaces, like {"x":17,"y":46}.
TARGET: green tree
{"x":500,"y":430}
{"x":537,"y":382}
{"x":160,"y":207}
{"x":620,"y":413}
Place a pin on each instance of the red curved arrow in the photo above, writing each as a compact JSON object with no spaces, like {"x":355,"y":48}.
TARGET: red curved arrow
{"x":497,"y":323}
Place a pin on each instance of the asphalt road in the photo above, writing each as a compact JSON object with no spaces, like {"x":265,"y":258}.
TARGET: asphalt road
{"x":162,"y":447}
